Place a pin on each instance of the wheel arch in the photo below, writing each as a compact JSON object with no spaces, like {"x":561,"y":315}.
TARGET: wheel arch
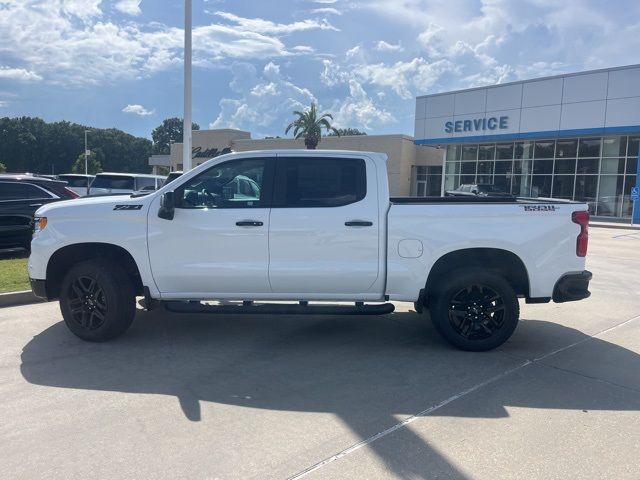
{"x":498,"y":260}
{"x":64,"y":258}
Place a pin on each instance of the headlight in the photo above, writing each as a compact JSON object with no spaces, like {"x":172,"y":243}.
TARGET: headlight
{"x":39,"y":223}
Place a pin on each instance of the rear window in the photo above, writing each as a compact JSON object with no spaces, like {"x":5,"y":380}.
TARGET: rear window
{"x":113,"y":181}
{"x":146,"y":183}
{"x":21,"y":191}
{"x":73,"y":181}
{"x":320,"y":182}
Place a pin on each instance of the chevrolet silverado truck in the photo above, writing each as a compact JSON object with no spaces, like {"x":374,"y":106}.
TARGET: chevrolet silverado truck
{"x":287,"y":231}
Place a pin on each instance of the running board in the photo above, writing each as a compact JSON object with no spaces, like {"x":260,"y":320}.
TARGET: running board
{"x":250,"y":308}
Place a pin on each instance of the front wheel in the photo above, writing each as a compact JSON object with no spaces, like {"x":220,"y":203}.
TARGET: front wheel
{"x":475,"y":309}
{"x":97,"y":300}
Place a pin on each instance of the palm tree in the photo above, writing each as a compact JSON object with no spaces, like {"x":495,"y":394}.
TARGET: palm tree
{"x":309,"y":126}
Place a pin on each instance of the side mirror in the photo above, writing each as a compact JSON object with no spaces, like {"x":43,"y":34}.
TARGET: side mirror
{"x":167,"y":206}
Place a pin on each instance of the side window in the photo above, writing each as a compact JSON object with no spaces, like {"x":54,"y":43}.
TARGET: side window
{"x":20,"y":191}
{"x":145,"y":183}
{"x":320,"y":182}
{"x":233,"y":184}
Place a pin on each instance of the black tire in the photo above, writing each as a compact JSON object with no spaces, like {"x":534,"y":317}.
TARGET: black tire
{"x":474,"y":309}
{"x":97,"y":300}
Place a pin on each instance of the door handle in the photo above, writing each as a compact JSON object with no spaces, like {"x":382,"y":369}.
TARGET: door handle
{"x":249,"y":223}
{"x":358,"y":223}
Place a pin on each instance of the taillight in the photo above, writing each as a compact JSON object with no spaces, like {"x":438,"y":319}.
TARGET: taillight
{"x":71,"y":192}
{"x":582,"y":219}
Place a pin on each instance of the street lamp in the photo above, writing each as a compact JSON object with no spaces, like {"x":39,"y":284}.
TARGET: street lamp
{"x":186,"y":129}
{"x":86,"y":153}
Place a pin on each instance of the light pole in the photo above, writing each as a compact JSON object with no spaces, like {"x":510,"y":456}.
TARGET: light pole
{"x":86,"y":154}
{"x":186,"y":129}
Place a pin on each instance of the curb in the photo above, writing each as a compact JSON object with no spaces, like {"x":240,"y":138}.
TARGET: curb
{"x":619,"y":226}
{"x":12,"y":299}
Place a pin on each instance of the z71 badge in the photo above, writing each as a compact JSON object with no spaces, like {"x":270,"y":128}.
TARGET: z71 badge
{"x":127,"y":207}
{"x":540,"y":208}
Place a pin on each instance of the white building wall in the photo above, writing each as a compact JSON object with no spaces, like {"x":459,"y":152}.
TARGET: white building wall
{"x":590,"y":102}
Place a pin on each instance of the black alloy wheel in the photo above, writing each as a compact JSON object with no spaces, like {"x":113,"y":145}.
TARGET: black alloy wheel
{"x":87,"y":303}
{"x":476,"y":312}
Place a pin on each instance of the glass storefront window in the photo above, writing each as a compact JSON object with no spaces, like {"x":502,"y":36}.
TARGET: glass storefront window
{"x":521,"y":186}
{"x":589,"y":147}
{"x":468,"y":168}
{"x":503,"y":168}
{"x":485,"y":168}
{"x":627,"y":203}
{"x":632,"y":165}
{"x":614,"y":146}
{"x":504,"y":151}
{"x":469,"y":152}
{"x":484,"y":179}
{"x":566,"y":148}
{"x":522,"y":166}
{"x":454,"y":153}
{"x":523,"y":150}
{"x":467,"y":179}
{"x":503,"y":182}
{"x":612,"y":166}
{"x":588,"y":165}
{"x":542,"y":166}
{"x":633,"y":147}
{"x":610,"y":195}
{"x":451,"y":182}
{"x":541,"y":186}
{"x":565,"y":166}
{"x":544,"y":149}
{"x":486,"y":152}
{"x":586,"y":190}
{"x":453,"y":167}
{"x":563,"y":186}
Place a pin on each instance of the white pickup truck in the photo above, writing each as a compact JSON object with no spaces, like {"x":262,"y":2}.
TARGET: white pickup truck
{"x":301,"y":226}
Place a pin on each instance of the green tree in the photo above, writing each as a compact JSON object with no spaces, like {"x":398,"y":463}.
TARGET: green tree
{"x":168,"y":132}
{"x":3,"y":168}
{"x":344,"y":132}
{"x":93,"y":164}
{"x":309,"y":126}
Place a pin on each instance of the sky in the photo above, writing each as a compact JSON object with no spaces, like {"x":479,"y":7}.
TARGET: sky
{"x":118,"y":63}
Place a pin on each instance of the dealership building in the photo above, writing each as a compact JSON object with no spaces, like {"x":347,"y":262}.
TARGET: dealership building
{"x":570,"y":136}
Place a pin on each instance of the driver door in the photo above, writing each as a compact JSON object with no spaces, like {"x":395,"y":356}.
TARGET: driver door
{"x":217,"y":244}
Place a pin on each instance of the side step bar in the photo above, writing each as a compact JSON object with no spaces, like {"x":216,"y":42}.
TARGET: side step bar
{"x":278,"y":308}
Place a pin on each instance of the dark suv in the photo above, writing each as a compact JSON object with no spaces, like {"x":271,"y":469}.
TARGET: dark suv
{"x":20,"y":196}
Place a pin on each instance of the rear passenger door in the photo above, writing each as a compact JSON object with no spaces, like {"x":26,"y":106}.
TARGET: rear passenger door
{"x":323,"y":235}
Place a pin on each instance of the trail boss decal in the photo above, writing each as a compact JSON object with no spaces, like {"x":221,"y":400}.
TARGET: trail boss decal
{"x":127,"y":207}
{"x":540,"y":208}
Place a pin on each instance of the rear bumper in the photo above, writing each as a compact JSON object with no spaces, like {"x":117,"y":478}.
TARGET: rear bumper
{"x":39,"y":288}
{"x":572,"y":287}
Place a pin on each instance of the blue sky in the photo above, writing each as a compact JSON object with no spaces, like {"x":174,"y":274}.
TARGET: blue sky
{"x":118,"y":63}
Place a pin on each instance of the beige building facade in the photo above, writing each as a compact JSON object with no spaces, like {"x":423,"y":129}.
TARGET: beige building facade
{"x":413,"y":169}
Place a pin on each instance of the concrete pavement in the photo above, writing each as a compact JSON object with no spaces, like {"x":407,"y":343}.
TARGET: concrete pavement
{"x":331,"y":397}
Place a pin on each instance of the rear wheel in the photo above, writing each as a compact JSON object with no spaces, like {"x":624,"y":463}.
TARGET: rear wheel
{"x":475,"y":309}
{"x":97,"y":300}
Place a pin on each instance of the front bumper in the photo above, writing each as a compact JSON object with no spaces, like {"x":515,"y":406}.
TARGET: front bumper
{"x":572,"y":287}
{"x":39,"y":288}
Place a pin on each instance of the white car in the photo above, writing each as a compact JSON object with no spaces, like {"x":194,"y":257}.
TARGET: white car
{"x":119,"y":183}
{"x":303,"y":226}
{"x":78,"y":182}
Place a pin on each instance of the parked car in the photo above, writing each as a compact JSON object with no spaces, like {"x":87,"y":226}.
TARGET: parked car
{"x":482,"y":189}
{"x":123,"y":183}
{"x":78,"y":182}
{"x":310,"y":225}
{"x":20,"y":197}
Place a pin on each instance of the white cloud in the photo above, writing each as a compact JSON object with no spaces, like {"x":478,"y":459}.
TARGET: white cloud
{"x":129,"y":7}
{"x":137,"y":109}
{"x":271,"y":97}
{"x":20,"y":74}
{"x":352,"y":52}
{"x":327,"y":10}
{"x":4,"y":103}
{"x":358,"y":110}
{"x":83,"y":9}
{"x":383,"y":46}
{"x":268,"y":27}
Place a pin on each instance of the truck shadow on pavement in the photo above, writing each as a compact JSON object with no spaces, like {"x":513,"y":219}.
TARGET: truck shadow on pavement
{"x":369,"y":371}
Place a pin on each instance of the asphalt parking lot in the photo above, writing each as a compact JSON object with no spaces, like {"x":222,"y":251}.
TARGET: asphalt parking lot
{"x":331,"y":397}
